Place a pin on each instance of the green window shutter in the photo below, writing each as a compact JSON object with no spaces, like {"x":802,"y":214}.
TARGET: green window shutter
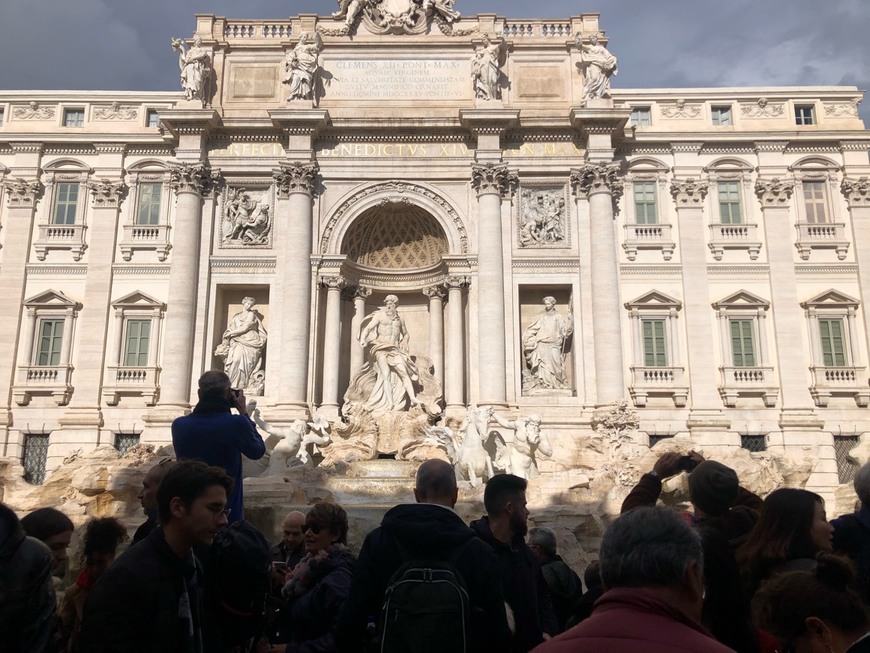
{"x":138,"y":338}
{"x":833,"y":344}
{"x":729,"y":203}
{"x":654,"y":344}
{"x":645,"y":202}
{"x":50,"y":342}
{"x":742,"y":343}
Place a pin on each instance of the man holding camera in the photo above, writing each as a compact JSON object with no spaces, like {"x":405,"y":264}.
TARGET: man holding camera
{"x":214,"y":435}
{"x":714,"y":490}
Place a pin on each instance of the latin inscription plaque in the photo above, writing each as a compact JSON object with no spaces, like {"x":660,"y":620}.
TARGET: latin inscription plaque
{"x":398,"y":79}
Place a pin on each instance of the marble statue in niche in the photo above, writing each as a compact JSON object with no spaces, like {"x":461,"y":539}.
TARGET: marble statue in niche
{"x":545,"y":348}
{"x":486,"y":69}
{"x":599,"y":66}
{"x":302,"y":68}
{"x":195,"y":66}
{"x":543,"y":217}
{"x":387,"y":377}
{"x":247,"y":219}
{"x":242,"y":346}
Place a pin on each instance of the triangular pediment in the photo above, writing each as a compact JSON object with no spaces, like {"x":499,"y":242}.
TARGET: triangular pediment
{"x":831,"y":299}
{"x":654,"y":299}
{"x":137,"y":299}
{"x":50,"y":299}
{"x":742,"y":299}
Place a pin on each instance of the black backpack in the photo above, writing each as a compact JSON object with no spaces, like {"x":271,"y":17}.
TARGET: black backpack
{"x":426,"y":607}
{"x":238,"y":582}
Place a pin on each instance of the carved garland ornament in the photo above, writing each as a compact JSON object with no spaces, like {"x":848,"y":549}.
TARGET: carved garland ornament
{"x":401,"y":187}
{"x":116,"y":111}
{"x":493,"y":178}
{"x":33,"y":112}
{"x":22,"y":193}
{"x":689,"y":192}
{"x":773,"y":193}
{"x":856,"y":191}
{"x":107,"y":193}
{"x":296,"y":177}
{"x":597,"y":178}
{"x":193,"y":178}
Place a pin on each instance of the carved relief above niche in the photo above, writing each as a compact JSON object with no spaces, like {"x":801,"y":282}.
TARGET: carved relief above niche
{"x":246,"y":217}
{"x":542,"y":217}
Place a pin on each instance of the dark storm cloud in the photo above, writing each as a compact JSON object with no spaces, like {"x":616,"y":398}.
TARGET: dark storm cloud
{"x":124,"y":44}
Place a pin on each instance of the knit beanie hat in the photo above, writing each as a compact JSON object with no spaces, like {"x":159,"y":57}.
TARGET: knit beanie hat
{"x":713,"y":487}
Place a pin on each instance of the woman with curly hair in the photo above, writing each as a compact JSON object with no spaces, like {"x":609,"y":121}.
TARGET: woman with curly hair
{"x":319,"y":584}
{"x":815,"y":611}
{"x":99,"y":545}
{"x":792,"y":528}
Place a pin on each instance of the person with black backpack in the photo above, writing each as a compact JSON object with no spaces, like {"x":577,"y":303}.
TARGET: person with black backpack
{"x":423,"y":581}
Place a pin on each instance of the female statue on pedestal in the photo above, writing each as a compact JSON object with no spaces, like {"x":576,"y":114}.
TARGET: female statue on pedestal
{"x":242,"y":348}
{"x":600,"y":66}
{"x":195,"y":67}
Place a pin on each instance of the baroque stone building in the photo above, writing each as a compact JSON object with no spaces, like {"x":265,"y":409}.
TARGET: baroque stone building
{"x":707,"y":250}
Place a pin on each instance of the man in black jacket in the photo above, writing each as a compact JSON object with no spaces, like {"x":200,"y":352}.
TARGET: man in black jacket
{"x":428,"y":529}
{"x":503,"y":528}
{"x":149,"y":600}
{"x":27,"y":602}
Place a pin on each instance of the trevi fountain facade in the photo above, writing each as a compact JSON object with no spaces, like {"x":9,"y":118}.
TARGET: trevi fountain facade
{"x":408,"y":233}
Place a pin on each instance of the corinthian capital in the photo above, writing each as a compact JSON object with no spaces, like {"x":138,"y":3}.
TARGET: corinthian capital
{"x":434,"y":292}
{"x":493,"y":179}
{"x":456,"y":281}
{"x":331,"y":282}
{"x":689,"y":192}
{"x":22,"y":193}
{"x":296,"y":177}
{"x":774,"y":192}
{"x":193,"y":178}
{"x":595,"y":178}
{"x":107,"y":193}
{"x":856,"y":191}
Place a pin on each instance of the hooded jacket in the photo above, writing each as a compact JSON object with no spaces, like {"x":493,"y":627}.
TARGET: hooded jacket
{"x":525,"y":589}
{"x":27,"y":601}
{"x":425,"y":531}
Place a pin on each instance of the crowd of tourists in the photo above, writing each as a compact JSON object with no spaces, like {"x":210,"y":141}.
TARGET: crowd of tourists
{"x":737,"y":573}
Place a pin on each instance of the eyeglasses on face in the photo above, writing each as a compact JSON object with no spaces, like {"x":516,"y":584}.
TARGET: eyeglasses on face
{"x":314,"y":528}
{"x":217,"y":510}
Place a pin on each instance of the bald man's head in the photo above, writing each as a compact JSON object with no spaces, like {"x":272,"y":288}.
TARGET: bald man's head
{"x":436,"y":483}
{"x":291,"y":529}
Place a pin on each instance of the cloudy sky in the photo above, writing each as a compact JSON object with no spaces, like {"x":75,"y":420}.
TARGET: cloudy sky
{"x":124,"y":44}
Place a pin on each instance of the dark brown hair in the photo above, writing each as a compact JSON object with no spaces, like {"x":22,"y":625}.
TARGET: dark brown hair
{"x":102,"y":535}
{"x":331,"y":516}
{"x":782,"y":533}
{"x":785,"y":602}
{"x":188,"y":480}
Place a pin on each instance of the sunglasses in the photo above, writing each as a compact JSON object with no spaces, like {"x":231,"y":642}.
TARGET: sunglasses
{"x":314,"y":528}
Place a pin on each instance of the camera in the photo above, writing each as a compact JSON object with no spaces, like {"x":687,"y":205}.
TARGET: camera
{"x":687,"y":464}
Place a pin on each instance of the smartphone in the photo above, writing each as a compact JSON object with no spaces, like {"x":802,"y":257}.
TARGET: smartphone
{"x":687,"y":464}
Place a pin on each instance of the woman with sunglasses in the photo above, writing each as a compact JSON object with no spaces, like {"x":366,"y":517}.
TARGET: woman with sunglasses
{"x":319,"y":584}
{"x":815,"y":611}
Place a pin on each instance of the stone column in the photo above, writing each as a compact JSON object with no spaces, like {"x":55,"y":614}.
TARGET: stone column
{"x":491,"y":182}
{"x":857,"y":194}
{"x":454,"y":384}
{"x":190,"y":181}
{"x":295,"y":184}
{"x":21,"y":196}
{"x":84,"y":412}
{"x":775,"y":198}
{"x":331,"y":342}
{"x":436,"y":330}
{"x":359,"y":294}
{"x":599,"y":182}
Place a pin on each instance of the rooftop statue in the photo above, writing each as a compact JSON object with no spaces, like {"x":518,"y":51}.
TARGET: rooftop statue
{"x":302,"y":68}
{"x":599,"y":66}
{"x":195,"y":67}
{"x":485,"y":69}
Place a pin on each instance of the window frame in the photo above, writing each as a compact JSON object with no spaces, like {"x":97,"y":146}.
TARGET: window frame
{"x":646,"y":354}
{"x":57,"y":201}
{"x":2,"y":114}
{"x":160,"y":205}
{"x":149,"y":113}
{"x":651,"y":185}
{"x":718,"y":111}
{"x":738,"y":201}
{"x":69,"y":112}
{"x":800,"y":118}
{"x":55,"y":342}
{"x":637,"y":115}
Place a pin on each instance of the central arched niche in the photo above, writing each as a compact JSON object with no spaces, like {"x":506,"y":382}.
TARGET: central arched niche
{"x":395,"y":236}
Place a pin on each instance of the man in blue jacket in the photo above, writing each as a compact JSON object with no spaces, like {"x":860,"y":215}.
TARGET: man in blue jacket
{"x":214,"y":435}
